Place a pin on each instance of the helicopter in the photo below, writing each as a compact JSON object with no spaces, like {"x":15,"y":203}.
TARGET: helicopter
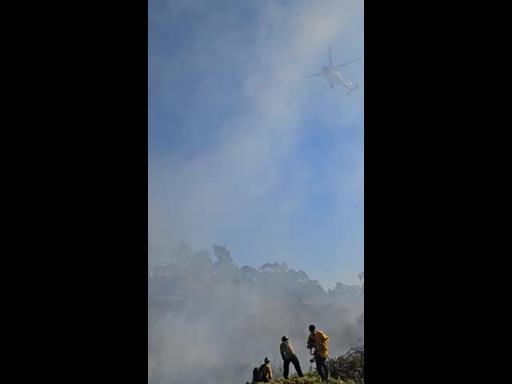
{"x":333,"y":76}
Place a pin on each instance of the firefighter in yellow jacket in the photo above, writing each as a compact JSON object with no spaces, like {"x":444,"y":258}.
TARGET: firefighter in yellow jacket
{"x":319,"y":341}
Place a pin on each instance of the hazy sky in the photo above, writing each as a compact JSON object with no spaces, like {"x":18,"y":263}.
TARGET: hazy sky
{"x":245,"y":152}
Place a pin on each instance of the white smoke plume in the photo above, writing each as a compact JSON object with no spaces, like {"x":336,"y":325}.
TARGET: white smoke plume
{"x":212,"y":322}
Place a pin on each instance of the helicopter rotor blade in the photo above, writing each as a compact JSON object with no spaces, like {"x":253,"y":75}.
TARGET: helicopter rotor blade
{"x":348,"y":62}
{"x":313,"y":75}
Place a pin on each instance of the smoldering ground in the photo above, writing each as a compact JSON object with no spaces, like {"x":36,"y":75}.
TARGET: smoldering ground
{"x":212,"y":321}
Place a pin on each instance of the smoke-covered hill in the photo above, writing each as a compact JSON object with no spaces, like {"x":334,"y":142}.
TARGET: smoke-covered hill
{"x":211,"y":321}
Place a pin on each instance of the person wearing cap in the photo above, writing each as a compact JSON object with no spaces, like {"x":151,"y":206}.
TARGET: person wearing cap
{"x":289,"y":356}
{"x":266,"y":371}
{"x":320,"y":342}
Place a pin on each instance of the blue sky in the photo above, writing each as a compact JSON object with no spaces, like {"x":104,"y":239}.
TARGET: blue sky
{"x":243,"y":151}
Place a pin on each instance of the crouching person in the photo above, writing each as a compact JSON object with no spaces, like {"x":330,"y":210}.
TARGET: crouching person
{"x":265,"y":371}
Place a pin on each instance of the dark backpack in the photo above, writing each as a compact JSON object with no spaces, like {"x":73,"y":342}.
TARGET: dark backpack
{"x":255,"y":375}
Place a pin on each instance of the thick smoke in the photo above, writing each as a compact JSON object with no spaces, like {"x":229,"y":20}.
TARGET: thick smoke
{"x":212,"y":321}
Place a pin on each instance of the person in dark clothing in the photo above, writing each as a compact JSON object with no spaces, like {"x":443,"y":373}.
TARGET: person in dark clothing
{"x":289,"y":356}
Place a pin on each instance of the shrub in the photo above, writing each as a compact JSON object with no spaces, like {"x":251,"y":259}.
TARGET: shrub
{"x":349,"y":367}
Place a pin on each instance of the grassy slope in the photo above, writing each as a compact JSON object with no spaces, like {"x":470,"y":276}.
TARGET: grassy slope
{"x":350,"y":366}
{"x":309,"y":378}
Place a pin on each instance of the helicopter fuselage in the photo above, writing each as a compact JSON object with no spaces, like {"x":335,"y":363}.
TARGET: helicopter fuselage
{"x":333,"y":77}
